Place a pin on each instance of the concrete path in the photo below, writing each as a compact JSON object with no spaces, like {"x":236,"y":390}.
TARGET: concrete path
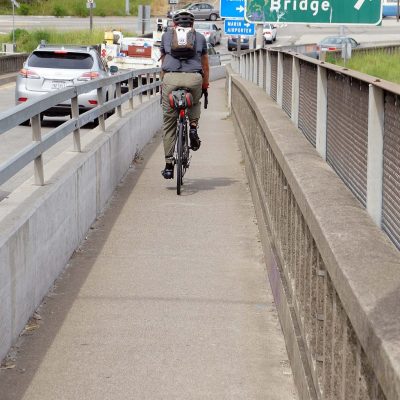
{"x":168,"y":296}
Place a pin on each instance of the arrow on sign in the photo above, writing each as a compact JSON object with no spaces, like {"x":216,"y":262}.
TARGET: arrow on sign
{"x":359,"y":4}
{"x":241,"y":8}
{"x":247,"y":25}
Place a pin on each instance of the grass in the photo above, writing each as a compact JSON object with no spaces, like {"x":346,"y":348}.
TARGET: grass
{"x":77,"y":8}
{"x":28,"y":41}
{"x":378,"y":64}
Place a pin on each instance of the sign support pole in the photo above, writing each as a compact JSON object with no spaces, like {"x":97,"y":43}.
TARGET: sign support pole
{"x":259,"y":36}
{"x":13,"y":33}
{"x":91,"y":17}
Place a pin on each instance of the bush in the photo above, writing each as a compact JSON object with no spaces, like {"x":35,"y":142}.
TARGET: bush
{"x":41,"y":35}
{"x":19,"y":33}
{"x":80,"y":10}
{"x":59,"y":11}
{"x":24,"y":9}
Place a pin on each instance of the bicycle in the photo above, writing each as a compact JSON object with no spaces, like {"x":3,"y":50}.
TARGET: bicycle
{"x":181,"y":99}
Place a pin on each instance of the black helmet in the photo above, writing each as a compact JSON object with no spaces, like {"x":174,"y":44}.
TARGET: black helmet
{"x":183,"y":18}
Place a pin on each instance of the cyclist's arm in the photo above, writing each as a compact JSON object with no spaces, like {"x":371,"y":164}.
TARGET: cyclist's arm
{"x":206,"y":70}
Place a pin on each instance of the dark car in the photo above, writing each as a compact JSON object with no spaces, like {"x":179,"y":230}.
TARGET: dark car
{"x":199,"y":10}
{"x":232,"y":43}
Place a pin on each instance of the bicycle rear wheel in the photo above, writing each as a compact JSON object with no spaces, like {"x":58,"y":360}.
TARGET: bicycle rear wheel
{"x":179,"y":160}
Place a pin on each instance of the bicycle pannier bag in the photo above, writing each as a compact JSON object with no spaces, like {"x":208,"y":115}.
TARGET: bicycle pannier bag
{"x":183,"y":43}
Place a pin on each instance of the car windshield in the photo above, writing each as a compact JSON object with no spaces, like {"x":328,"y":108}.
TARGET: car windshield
{"x":332,"y":40}
{"x":60,"y":60}
{"x":202,"y":26}
{"x":187,"y":6}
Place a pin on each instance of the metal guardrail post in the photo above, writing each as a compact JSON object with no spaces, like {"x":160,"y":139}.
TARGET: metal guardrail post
{"x":279,"y":83}
{"x":322,"y":109}
{"x":118,"y":90}
{"x":264,"y":69}
{"x":268,"y":74}
{"x":38,"y":162}
{"x":77,"y":132}
{"x":295,"y":91}
{"x":376,"y":114}
{"x":130,"y":86}
{"x":147,"y":82}
{"x":140,"y":84}
{"x":100,"y":100}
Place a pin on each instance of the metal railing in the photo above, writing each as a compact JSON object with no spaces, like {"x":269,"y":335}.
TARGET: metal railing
{"x":19,"y":114}
{"x":352,"y":119}
{"x":340,"y":281}
{"x":12,"y":62}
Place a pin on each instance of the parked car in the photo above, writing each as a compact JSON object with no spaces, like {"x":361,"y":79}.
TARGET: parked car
{"x":269,"y":33}
{"x":214,"y":58}
{"x":335,"y":43}
{"x":54,"y":67}
{"x":210,"y":31}
{"x":199,"y":10}
{"x":232,"y":43}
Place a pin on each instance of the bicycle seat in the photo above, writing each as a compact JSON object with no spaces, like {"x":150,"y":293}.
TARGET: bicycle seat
{"x":180,"y":99}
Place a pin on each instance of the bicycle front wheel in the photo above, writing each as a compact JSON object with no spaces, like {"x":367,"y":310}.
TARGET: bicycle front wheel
{"x":179,"y":161}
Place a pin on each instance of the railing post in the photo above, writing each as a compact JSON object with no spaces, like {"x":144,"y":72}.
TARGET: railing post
{"x":322,"y":108}
{"x":38,"y":162}
{"x":147,"y":83}
{"x":279,"y":83}
{"x":77,"y":131}
{"x":295,"y":91}
{"x":130,"y":87}
{"x":140,"y":84}
{"x":376,"y":110}
{"x":118,"y":90}
{"x":264,"y":69}
{"x":100,"y":100}
{"x":229,"y":95}
{"x":268,"y":74}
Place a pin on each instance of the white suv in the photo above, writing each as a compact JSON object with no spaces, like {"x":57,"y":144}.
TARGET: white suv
{"x":55,"y":67}
{"x":269,"y":33}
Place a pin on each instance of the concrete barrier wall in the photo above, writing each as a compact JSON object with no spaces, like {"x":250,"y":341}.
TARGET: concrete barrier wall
{"x":334,"y":274}
{"x":41,"y":226}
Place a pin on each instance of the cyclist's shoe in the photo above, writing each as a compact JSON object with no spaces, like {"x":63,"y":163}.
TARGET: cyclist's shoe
{"x":195,"y":141}
{"x":168,"y":171}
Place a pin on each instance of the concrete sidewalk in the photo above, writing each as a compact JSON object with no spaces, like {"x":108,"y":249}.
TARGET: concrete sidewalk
{"x":168,"y":296}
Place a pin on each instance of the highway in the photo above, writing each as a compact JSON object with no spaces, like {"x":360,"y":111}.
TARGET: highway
{"x":16,"y":139}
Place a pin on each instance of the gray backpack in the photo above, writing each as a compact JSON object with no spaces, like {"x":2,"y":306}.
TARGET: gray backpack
{"x":183,"y":43}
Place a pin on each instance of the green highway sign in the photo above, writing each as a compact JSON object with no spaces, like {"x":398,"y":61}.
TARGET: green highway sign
{"x":343,"y":12}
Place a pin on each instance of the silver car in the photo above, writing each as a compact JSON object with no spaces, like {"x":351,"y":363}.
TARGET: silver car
{"x":199,"y":10}
{"x":210,"y":31}
{"x":55,"y":67}
{"x":214,"y":58}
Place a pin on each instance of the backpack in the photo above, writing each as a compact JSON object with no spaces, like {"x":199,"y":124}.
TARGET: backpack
{"x":183,"y":43}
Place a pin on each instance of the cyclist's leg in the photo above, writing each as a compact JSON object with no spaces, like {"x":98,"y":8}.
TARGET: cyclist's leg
{"x":169,"y":127}
{"x":194,"y":85}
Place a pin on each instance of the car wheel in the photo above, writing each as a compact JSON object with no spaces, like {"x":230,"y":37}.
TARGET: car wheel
{"x":213,"y":17}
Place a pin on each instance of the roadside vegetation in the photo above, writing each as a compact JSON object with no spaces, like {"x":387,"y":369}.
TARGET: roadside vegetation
{"x":28,"y":41}
{"x":76,"y":8}
{"x":378,"y":64}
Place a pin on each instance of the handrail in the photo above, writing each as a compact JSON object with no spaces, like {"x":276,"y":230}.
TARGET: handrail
{"x":32,"y":110}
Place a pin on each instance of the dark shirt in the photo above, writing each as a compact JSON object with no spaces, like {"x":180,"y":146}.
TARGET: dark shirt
{"x":171,"y":64}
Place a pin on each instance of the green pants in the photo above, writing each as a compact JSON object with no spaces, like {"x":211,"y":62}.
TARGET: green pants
{"x":173,"y":81}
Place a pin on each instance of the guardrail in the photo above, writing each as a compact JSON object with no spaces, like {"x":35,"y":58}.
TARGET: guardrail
{"x":339,"y":274}
{"x":19,"y":114}
{"x":12,"y":62}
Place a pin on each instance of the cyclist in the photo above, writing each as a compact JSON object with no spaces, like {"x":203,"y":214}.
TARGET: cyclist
{"x":184,"y":65}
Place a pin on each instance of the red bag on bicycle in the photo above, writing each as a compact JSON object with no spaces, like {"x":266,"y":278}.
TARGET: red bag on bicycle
{"x":180,"y":99}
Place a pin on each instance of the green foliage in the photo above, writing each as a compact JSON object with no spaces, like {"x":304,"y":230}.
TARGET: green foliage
{"x":23,"y":9}
{"x":79,"y":9}
{"x":59,"y":11}
{"x":376,"y":63}
{"x":18,"y":33}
